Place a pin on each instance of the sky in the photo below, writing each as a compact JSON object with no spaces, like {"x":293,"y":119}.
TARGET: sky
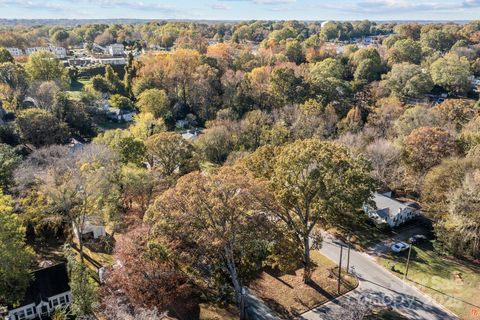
{"x":243,"y":9}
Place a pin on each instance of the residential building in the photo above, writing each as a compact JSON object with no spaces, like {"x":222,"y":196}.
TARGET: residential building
{"x":111,"y":61}
{"x":60,"y":52}
{"x":93,"y":228}
{"x":47,"y":291}
{"x":15,"y":52}
{"x":116,"y":49}
{"x":391,"y":211}
{"x":192,"y":135}
{"x":120,"y":115}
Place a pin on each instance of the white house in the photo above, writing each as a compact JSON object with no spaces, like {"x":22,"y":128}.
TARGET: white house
{"x":116,"y":49}
{"x":92,"y":228}
{"x":391,"y":211}
{"x":15,"y":52}
{"x":111,"y":61}
{"x":47,"y":291}
{"x":58,"y":51}
{"x":192,"y":134}
{"x":120,"y":115}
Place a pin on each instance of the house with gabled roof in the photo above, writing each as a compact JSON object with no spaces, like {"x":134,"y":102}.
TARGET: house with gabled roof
{"x":391,"y":211}
{"x":47,"y":291}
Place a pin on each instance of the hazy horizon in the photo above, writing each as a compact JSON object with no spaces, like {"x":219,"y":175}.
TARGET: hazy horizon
{"x":235,"y":10}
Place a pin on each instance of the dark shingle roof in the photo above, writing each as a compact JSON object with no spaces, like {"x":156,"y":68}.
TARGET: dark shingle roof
{"x":46,"y":283}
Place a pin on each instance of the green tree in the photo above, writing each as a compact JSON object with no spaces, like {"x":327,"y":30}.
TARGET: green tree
{"x":120,"y":102}
{"x":417,"y":117}
{"x":328,"y":68}
{"x":440,"y":182}
{"x":82,"y":186}
{"x":83,"y":288}
{"x":15,"y":255}
{"x":433,"y":39}
{"x":130,"y":73}
{"x":452,"y":73}
{"x":409,"y":30}
{"x":460,"y":229}
{"x":170,"y":152}
{"x":100,"y":84}
{"x":154,"y":101}
{"x":13,"y":84}
{"x":406,"y":50}
{"x":132,"y":150}
{"x":314,"y":183}
{"x":286,"y":86}
{"x":137,"y":187}
{"x":408,"y":81}
{"x":294,"y":51}
{"x":366,"y":70}
{"x":215,"y":144}
{"x":9,"y":160}
{"x":113,"y":81}
{"x":60,"y":36}
{"x":364,"y":54}
{"x":457,"y":111}
{"x":5,"y":56}
{"x":252,"y":128}
{"x":44,"y":66}
{"x":41,"y":128}
{"x":146,"y":125}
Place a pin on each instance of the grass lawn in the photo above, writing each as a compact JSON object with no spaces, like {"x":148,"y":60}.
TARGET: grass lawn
{"x":453,"y":283}
{"x":289,"y":296}
{"x":76,"y":88}
{"x":110,"y":125}
{"x":78,"y":84}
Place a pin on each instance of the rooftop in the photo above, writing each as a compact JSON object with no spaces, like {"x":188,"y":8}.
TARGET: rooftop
{"x":46,"y":283}
{"x":387,"y":206}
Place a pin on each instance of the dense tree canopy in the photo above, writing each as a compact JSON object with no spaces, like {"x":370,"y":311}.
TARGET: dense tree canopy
{"x":15,"y":255}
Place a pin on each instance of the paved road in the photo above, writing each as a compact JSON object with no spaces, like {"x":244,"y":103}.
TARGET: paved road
{"x":377,"y":287}
{"x":256,"y":308}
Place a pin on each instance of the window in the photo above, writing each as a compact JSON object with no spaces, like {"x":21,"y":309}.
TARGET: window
{"x":55,"y":302}
{"x":29,"y":311}
{"x":62,"y":300}
{"x":20,"y":315}
{"x":68,"y":299}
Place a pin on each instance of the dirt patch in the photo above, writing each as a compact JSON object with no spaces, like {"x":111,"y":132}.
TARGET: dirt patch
{"x":289,"y":296}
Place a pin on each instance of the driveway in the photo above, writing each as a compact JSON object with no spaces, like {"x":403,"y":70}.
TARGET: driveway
{"x":378,"y":287}
{"x":399,"y":235}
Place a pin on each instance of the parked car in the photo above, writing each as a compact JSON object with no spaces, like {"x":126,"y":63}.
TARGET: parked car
{"x":399,"y":247}
{"x":417,"y":238}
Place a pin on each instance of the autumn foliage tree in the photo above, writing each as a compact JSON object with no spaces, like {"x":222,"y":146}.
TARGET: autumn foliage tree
{"x":147,"y":275}
{"x":218,"y":224}
{"x":313,"y":182}
{"x":426,"y":147}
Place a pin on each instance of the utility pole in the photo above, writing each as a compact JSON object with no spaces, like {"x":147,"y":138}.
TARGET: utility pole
{"x":408,"y":261}
{"x":340,"y":268}
{"x":348,"y":254}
